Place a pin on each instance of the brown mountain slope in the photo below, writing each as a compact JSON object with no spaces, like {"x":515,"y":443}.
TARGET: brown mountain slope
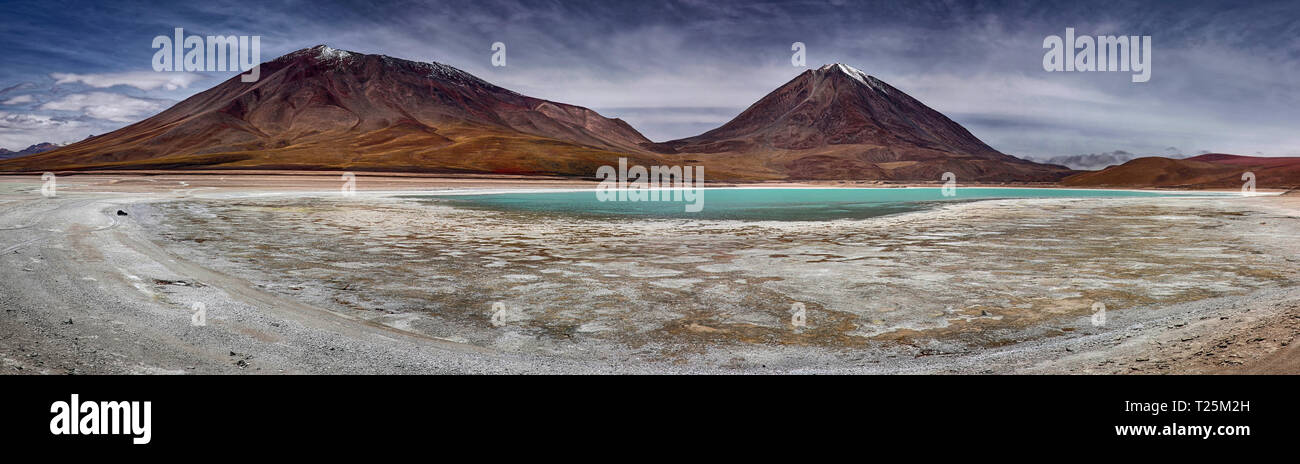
{"x":321,"y":108}
{"x":836,"y":122}
{"x":1215,"y":170}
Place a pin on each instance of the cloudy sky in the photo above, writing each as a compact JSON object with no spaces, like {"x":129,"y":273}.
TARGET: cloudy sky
{"x":1223,"y":75}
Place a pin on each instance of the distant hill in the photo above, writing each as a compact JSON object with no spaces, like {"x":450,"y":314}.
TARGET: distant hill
{"x":32,"y":150}
{"x":1213,"y":170}
{"x":1088,"y":161}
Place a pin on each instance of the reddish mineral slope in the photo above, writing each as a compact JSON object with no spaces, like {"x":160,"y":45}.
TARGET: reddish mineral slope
{"x":837,"y":122}
{"x":321,"y":108}
{"x":1214,"y":170}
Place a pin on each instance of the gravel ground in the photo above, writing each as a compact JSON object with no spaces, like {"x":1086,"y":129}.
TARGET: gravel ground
{"x":86,"y":290}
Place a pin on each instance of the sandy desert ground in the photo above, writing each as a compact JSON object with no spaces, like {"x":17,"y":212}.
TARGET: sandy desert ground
{"x":295,"y":278}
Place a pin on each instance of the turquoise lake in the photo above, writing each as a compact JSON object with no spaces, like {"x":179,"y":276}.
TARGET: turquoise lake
{"x":771,"y":204}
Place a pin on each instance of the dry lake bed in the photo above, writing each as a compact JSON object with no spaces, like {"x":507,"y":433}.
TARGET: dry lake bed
{"x":299,"y":278}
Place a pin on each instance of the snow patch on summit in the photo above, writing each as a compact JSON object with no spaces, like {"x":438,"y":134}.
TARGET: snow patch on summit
{"x":449,"y":73}
{"x":324,"y":52}
{"x":434,"y":70}
{"x":857,"y":75}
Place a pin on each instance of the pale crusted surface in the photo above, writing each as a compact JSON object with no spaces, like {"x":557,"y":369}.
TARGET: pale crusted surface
{"x":311,"y":283}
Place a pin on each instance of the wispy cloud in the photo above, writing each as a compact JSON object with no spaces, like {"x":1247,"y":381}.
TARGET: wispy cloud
{"x":14,"y":128}
{"x":143,"y":80}
{"x":19,"y":100}
{"x":108,"y":106}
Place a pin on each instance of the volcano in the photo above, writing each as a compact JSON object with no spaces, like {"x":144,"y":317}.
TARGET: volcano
{"x":321,"y":108}
{"x":837,"y":122}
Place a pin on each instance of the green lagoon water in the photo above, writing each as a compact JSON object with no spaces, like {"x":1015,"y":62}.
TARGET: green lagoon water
{"x":771,"y":204}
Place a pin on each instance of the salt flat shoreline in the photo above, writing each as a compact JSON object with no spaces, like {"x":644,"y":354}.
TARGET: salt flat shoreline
{"x":86,"y":291}
{"x":310,"y":181}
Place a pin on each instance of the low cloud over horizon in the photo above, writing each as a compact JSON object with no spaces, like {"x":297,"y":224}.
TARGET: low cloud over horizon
{"x":1221,"y":81}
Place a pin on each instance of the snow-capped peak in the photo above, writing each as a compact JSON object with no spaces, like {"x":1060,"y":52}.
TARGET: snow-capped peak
{"x":324,"y":52}
{"x":340,"y":59}
{"x":856,"y":74}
